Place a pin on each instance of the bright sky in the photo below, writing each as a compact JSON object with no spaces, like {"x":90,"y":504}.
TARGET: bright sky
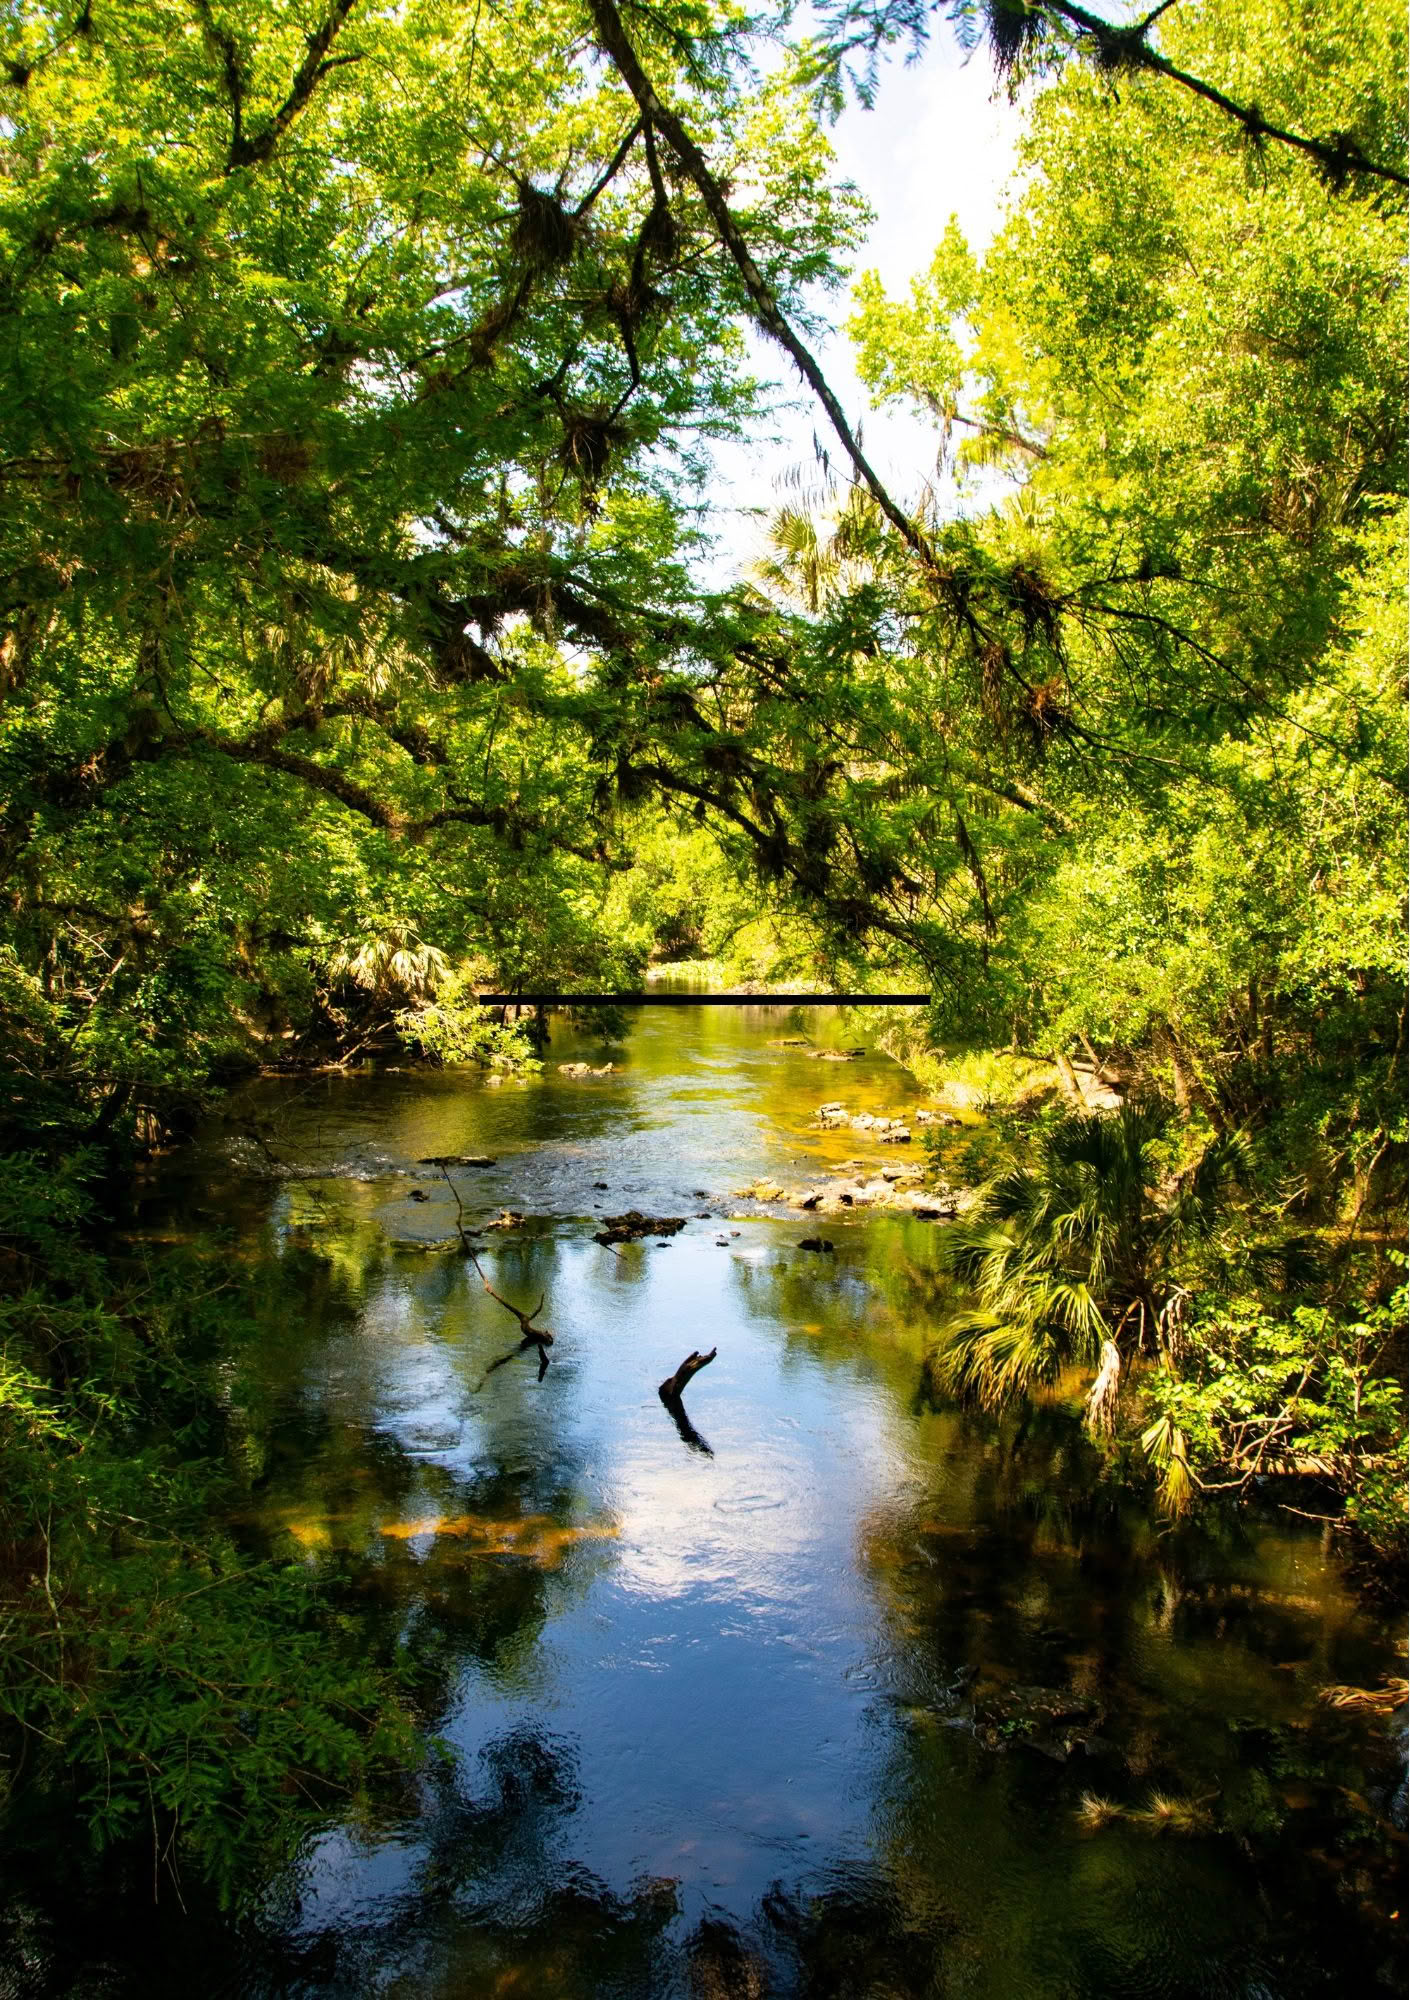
{"x":939,"y":140}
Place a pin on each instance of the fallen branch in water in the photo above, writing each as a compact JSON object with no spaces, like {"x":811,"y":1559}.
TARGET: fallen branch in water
{"x":685,"y":1429}
{"x":671,"y":1389}
{"x":460,"y":1229}
{"x":534,"y":1336}
{"x":530,"y":1332}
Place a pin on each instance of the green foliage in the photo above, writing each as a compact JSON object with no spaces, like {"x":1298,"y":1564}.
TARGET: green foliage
{"x":347,"y":438}
{"x":156,"y":1679}
{"x":1179,"y":759}
{"x":451,"y":1027}
{"x":355,"y":397}
{"x":1256,"y":1397}
{"x":1161,"y":819}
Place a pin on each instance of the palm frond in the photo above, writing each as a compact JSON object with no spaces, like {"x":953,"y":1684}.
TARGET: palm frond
{"x":1065,"y":1259}
{"x":1165,"y":1446}
{"x":994,"y":1359}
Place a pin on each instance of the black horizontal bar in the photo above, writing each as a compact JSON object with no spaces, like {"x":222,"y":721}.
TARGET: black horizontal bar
{"x":703,"y":999}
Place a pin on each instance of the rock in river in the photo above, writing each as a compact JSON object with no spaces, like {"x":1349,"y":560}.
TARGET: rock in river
{"x":1053,"y":1720}
{"x":632,"y":1226}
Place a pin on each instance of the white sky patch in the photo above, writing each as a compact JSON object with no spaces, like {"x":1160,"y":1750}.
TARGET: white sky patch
{"x":940,"y":140}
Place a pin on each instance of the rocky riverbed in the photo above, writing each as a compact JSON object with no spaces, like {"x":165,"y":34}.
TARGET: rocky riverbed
{"x":858,"y":1183}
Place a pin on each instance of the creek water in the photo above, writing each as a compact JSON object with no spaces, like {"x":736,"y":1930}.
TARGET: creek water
{"x":803,"y":1695}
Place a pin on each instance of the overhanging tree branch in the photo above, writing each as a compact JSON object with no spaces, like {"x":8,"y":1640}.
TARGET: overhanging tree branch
{"x":1127,"y":48}
{"x":252,"y":149}
{"x":616,"y":44}
{"x":1016,"y":27}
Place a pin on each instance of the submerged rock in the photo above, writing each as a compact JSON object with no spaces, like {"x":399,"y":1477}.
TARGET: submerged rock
{"x":1055,"y":1721}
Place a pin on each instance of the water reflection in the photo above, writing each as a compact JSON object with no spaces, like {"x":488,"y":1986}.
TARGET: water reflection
{"x":819,"y":1707}
{"x":528,"y":1345}
{"x":685,"y":1429}
{"x":1129,"y":1738}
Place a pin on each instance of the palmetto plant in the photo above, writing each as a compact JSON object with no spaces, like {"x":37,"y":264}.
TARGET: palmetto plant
{"x":392,"y":965}
{"x":1071,"y":1258}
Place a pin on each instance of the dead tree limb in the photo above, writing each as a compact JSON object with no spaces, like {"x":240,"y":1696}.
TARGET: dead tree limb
{"x":531,"y":1333}
{"x":534,"y":1336}
{"x":613,"y":39}
{"x":671,"y":1389}
{"x":460,"y":1228}
{"x":537,"y":1337}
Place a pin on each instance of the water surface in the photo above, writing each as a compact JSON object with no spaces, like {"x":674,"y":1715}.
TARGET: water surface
{"x":804,"y":1695}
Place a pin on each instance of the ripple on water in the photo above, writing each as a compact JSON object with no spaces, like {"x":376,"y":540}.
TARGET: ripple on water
{"x":421,"y":1440}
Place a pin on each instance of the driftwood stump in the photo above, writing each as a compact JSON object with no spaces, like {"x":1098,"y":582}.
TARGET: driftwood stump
{"x":671,"y":1388}
{"x":670,"y":1394}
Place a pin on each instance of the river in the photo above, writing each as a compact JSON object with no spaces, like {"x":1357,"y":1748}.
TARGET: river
{"x":808,"y":1694}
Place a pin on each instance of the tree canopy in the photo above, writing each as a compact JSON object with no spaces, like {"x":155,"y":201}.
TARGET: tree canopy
{"x":360,"y":366}
{"x":364,"y":365}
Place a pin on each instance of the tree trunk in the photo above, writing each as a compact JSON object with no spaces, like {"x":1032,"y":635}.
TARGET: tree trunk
{"x":1068,"y":1079}
{"x":1189,"y":1089}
